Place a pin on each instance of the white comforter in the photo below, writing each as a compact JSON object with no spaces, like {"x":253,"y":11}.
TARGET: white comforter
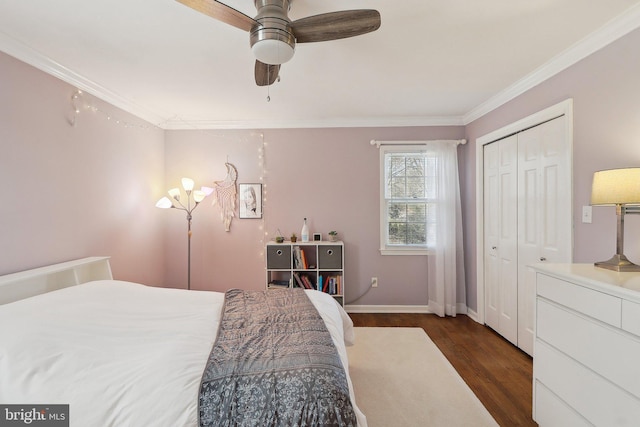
{"x":122,"y":354}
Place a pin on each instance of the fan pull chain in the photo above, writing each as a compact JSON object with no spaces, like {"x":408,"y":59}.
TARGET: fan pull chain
{"x":268,"y":80}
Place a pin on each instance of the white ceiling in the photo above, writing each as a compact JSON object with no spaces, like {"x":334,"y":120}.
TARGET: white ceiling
{"x":431,"y":62}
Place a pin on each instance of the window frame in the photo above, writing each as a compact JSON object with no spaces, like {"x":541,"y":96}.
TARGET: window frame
{"x":386,"y":249}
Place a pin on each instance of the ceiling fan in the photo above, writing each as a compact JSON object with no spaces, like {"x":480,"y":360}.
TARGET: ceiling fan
{"x":273,"y":36}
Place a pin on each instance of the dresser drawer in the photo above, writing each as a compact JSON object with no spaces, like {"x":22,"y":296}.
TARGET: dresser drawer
{"x":603,"y":307}
{"x":551,"y":411}
{"x":631,"y":317}
{"x":599,"y":347}
{"x":589,"y":394}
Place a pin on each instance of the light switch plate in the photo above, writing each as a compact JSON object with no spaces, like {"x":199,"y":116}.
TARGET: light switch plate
{"x":586,"y":214}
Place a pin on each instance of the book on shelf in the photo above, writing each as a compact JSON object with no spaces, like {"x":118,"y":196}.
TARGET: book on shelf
{"x":331,"y":284}
{"x":307,"y":282}
{"x":279,"y":284}
{"x":298,"y":281}
{"x":297,"y":257}
{"x":303,"y":281}
{"x":325,"y":284}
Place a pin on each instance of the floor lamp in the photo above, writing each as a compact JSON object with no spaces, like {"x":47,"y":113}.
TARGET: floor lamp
{"x":619,"y":188}
{"x":197,"y":196}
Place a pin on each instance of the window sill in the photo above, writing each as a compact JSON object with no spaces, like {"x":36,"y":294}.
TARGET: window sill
{"x":420,"y":252}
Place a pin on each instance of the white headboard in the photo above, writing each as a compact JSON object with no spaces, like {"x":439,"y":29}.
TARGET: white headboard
{"x":28,"y":283}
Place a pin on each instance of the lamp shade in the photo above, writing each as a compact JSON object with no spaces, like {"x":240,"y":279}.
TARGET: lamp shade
{"x":175,"y":193}
{"x":616,"y":187}
{"x":199,"y":196}
{"x":187,"y":184}
{"x":164,"y":203}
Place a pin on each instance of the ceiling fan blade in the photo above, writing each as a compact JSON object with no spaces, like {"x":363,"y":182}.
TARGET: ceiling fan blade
{"x":335,"y":25}
{"x":221,"y":12}
{"x":266,"y":74}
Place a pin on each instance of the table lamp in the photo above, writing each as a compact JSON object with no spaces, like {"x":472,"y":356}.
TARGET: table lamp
{"x":619,"y":188}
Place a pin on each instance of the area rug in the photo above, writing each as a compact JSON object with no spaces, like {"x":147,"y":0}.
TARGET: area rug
{"x":401,"y":378}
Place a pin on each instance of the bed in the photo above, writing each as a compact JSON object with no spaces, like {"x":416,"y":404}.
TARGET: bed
{"x":119,"y":353}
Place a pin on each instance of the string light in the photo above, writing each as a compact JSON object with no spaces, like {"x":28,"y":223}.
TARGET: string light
{"x":79,"y":104}
{"x":265,"y":190}
{"x":261,"y":167}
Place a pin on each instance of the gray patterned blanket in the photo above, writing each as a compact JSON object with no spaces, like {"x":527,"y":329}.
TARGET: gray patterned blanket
{"x":273,"y":364}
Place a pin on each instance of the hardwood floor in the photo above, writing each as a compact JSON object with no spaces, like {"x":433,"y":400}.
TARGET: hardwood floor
{"x":498,"y":372}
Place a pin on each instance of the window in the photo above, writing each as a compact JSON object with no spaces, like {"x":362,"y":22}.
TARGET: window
{"x":407,"y":200}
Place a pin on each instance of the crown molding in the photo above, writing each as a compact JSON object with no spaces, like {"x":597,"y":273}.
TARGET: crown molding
{"x":185,"y":124}
{"x":27,"y":54}
{"x":613,"y":30}
{"x":607,"y":34}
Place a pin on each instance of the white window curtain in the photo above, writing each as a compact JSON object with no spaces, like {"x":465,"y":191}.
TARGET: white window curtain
{"x":446,"y":269}
{"x":445,"y":279}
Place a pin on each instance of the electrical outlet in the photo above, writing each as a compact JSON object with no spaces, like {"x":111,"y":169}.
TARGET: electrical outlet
{"x":374,"y":282}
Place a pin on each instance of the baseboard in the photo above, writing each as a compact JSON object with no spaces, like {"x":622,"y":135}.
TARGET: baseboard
{"x":387,"y":309}
{"x":473,"y":315}
{"x":462,"y":309}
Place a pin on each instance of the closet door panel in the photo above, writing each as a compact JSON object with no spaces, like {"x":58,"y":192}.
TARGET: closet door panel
{"x":508,"y":243}
{"x":544,"y":212}
{"x":527,"y":220}
{"x":501,"y":215}
{"x":557,"y":195}
{"x":491,"y":233}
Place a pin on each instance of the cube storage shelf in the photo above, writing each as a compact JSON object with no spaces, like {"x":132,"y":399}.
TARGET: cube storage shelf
{"x":315,"y":265}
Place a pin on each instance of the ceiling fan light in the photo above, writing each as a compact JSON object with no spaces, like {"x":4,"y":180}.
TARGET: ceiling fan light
{"x":272,"y":52}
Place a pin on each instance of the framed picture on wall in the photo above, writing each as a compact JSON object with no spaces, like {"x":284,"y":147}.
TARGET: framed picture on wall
{"x":250,"y":200}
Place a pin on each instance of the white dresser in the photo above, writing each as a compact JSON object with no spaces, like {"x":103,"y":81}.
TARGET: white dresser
{"x":586,"y":362}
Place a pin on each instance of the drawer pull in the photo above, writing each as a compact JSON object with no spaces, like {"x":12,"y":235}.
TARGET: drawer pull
{"x":329,"y":251}
{"x":542,"y":258}
{"x":279,"y":252}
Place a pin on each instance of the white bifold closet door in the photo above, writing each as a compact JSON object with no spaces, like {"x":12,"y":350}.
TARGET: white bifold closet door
{"x":501,"y":236}
{"x":527,"y":219}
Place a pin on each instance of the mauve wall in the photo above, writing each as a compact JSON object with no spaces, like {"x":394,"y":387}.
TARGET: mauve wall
{"x":329,"y":176}
{"x":72,"y":192}
{"x":88,"y":190}
{"x":605,"y":88}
